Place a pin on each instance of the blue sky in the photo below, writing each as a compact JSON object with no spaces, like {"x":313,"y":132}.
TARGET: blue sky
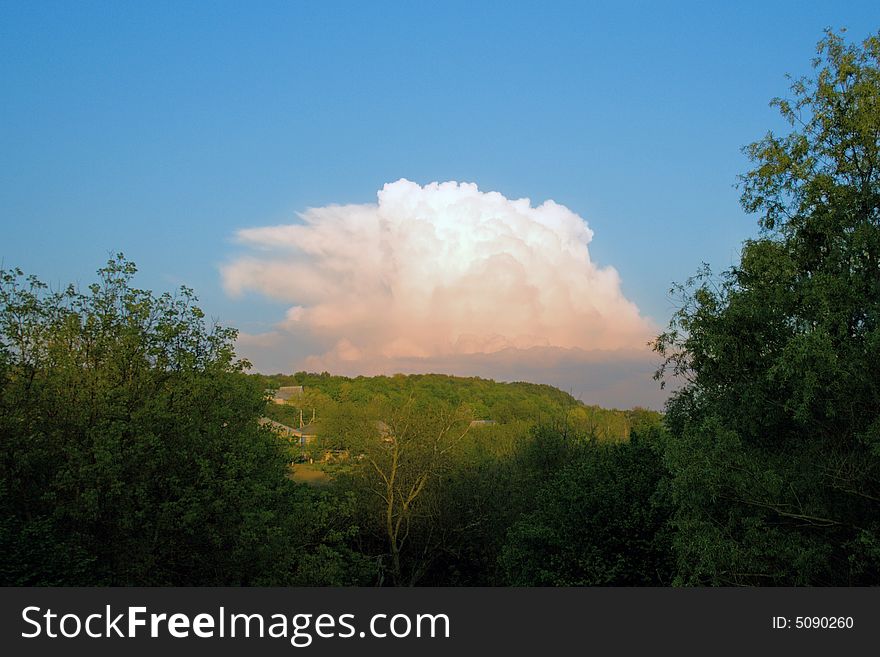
{"x":160,"y":129}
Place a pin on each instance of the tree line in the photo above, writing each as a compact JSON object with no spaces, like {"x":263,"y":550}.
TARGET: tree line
{"x":133,"y":454}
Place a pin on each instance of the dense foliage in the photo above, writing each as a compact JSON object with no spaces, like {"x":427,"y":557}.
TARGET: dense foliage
{"x":130,"y":448}
{"x":488,"y":399}
{"x":775,"y":438}
{"x":602,"y":519}
{"x":502,"y":403}
{"x":132,"y":453}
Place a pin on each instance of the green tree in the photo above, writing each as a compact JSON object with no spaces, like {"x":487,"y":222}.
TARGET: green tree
{"x":602,"y":518}
{"x":775,"y":434}
{"x":403,"y":451}
{"x":131,"y":451}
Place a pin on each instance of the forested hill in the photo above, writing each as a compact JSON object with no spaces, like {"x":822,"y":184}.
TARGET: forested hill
{"x":487,"y":399}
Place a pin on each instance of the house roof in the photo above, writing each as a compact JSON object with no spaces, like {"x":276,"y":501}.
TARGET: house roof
{"x":288,"y":392}
{"x":277,"y":426}
{"x":308,"y":430}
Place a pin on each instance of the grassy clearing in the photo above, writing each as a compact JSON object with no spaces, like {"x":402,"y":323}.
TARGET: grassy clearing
{"x":312,"y":474}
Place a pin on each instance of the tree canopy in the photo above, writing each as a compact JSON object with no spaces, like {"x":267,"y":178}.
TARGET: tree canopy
{"x":775,"y":434}
{"x":131,"y":451}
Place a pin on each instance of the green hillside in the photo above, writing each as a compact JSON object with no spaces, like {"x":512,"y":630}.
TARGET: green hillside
{"x":528,"y":404}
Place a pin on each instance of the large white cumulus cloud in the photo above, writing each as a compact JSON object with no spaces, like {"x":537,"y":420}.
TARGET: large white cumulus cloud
{"x":434,"y":272}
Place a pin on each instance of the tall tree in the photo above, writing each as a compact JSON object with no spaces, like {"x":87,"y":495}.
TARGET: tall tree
{"x":131,"y":452}
{"x":775,"y":434}
{"x":404,"y":451}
